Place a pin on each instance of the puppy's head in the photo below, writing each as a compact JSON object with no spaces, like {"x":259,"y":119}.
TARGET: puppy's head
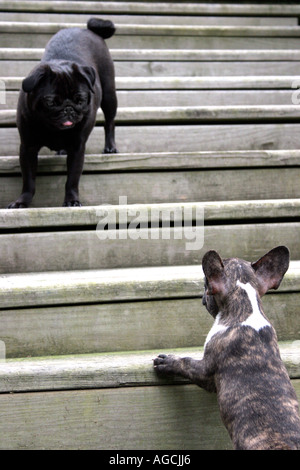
{"x":60,"y":93}
{"x":222,"y":276}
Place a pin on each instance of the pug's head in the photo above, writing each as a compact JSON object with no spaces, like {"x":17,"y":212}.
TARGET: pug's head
{"x":60,"y":93}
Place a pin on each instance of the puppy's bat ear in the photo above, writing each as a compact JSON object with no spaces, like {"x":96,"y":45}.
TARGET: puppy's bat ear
{"x":213,"y":268}
{"x":34,"y":78}
{"x":87,"y":73}
{"x":271,"y":268}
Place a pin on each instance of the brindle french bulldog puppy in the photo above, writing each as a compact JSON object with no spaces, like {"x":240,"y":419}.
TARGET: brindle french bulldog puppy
{"x":59,"y":100}
{"x":241,"y":361}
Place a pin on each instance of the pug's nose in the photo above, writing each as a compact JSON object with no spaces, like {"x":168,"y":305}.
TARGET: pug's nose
{"x":68,"y":111}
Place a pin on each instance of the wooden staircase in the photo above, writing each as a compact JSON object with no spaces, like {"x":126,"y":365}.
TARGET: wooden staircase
{"x":208,"y":123}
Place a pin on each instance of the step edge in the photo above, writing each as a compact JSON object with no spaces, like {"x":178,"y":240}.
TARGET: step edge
{"x":142,"y":284}
{"x":106,"y":370}
{"x":124,"y":213}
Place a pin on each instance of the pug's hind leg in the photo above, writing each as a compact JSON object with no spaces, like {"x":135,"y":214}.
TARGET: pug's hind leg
{"x":109,"y":107}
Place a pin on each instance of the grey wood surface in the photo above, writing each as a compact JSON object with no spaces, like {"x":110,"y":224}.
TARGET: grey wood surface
{"x":51,"y":251}
{"x":133,"y":325}
{"x":187,"y":138}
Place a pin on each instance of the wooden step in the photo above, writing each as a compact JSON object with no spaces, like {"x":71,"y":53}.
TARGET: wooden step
{"x":272,"y":82}
{"x":154,"y":17}
{"x":53,"y":251}
{"x":50,"y":163}
{"x":97,"y":419}
{"x":190,"y":114}
{"x":32,"y":34}
{"x":171,"y":61}
{"x":29,"y":54}
{"x":182,"y":138}
{"x":84,"y":414}
{"x":100,"y":286}
{"x":155,"y":177}
{"x":162,"y":187}
{"x":78,"y":312}
{"x":158,"y":30}
{"x":165,"y":68}
{"x":129,"y":325}
{"x":185,"y":98}
{"x":222,"y":211}
{"x":150,"y":8}
{"x":106,"y":370}
{"x":125,"y":326}
{"x":187,"y":91}
{"x":166,"y":177}
{"x":161,"y":418}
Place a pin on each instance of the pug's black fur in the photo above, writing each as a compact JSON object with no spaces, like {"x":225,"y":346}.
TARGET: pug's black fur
{"x":59,"y":100}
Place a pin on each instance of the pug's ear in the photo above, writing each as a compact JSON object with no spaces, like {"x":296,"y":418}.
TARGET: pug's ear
{"x":34,"y":78}
{"x":87,"y":73}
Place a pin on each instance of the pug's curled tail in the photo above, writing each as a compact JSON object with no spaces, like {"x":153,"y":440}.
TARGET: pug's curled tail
{"x":103,"y":28}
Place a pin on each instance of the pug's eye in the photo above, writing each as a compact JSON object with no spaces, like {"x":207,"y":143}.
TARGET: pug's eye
{"x":80,"y":100}
{"x":49,"y":101}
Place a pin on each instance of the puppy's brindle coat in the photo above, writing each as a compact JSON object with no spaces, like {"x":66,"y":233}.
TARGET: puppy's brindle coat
{"x":241,"y":361}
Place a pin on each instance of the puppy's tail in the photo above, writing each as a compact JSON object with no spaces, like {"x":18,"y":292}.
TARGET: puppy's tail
{"x":103,"y":28}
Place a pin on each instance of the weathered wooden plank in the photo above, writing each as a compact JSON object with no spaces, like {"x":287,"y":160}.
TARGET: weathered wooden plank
{"x":197,"y":98}
{"x":188,"y":83}
{"x":102,"y":286}
{"x":105,"y":370}
{"x":162,"y":8}
{"x":173,"y":69}
{"x":131,"y":98}
{"x":188,"y":114}
{"x":24,"y":54}
{"x":141,"y":41}
{"x":126,"y":326}
{"x":94,"y":286}
{"x":117,"y":326}
{"x":179,"y":417}
{"x":153,"y":18}
{"x":54,"y":251}
{"x":153,"y":7}
{"x":150,"y":213}
{"x":187,"y":138}
{"x":148,"y":283}
{"x":198,"y":83}
{"x":282,"y":312}
{"x":15,"y":27}
{"x":162,"y":161}
{"x":162,"y":187}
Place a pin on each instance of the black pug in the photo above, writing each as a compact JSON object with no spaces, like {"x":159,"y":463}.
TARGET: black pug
{"x":59,"y":100}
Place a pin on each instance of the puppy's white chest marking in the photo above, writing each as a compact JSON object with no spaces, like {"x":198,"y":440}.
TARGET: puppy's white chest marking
{"x":216,"y":328}
{"x":256,"y":320}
